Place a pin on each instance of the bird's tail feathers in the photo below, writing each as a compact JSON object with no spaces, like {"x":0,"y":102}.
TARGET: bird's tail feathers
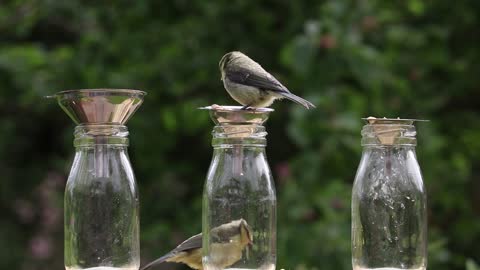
{"x":305,"y":103}
{"x":157,"y":261}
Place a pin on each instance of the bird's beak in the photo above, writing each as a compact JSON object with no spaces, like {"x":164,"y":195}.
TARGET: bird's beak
{"x":249,"y":247}
{"x":250,"y":239}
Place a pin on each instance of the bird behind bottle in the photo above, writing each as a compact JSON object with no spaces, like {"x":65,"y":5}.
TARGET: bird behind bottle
{"x":231,"y":240}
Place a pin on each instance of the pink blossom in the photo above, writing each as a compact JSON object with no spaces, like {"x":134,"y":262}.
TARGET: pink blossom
{"x":41,"y":247}
{"x":283,"y":171}
{"x":24,"y":210}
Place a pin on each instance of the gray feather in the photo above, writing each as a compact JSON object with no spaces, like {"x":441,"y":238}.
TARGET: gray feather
{"x":262,"y":81}
{"x":191,"y":243}
{"x":158,"y":261}
{"x":305,"y":103}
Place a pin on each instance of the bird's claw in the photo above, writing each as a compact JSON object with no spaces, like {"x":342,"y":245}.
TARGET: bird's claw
{"x":248,"y":108}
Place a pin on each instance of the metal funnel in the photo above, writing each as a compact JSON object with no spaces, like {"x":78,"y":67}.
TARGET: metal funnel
{"x":100,"y":106}
{"x":235,"y":115}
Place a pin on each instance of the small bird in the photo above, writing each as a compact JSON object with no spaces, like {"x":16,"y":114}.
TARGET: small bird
{"x":228,"y":239}
{"x":250,"y":85}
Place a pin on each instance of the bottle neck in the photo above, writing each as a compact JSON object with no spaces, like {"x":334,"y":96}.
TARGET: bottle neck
{"x":373,"y":150}
{"x":101,"y":134}
{"x":229,"y":136}
{"x":389,"y":136}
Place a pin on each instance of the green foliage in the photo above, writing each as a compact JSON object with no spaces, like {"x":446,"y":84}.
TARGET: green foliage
{"x":413,"y":59}
{"x":471,"y":265}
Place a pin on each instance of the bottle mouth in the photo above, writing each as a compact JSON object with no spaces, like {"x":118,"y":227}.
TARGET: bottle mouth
{"x":389,"y":131}
{"x":101,"y":130}
{"x":100,"y":134}
{"x":226,"y":136}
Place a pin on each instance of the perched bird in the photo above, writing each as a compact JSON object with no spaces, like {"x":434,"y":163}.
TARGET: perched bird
{"x":250,"y":85}
{"x":228,"y":239}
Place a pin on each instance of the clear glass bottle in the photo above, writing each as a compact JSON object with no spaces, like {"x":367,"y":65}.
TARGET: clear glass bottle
{"x":101,"y":202}
{"x":239,"y":201}
{"x":389,"y":215}
{"x":101,"y":197}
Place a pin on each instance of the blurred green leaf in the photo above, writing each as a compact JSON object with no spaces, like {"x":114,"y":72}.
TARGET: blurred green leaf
{"x":352,"y":59}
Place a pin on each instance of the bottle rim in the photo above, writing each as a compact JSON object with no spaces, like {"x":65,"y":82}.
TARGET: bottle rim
{"x":389,"y":132}
{"x":101,"y":134}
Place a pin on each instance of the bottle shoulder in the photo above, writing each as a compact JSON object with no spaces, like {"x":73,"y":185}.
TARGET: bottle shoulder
{"x":388,"y":172}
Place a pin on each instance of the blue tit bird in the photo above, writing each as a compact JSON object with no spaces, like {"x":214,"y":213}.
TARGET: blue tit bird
{"x":229,"y":241}
{"x":250,"y":85}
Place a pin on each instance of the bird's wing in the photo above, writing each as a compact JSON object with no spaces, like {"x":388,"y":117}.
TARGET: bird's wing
{"x":189,"y":244}
{"x":192,"y":243}
{"x":246,"y":77}
{"x":158,"y":261}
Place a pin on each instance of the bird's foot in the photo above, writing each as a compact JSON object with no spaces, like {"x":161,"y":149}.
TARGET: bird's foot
{"x":248,"y":108}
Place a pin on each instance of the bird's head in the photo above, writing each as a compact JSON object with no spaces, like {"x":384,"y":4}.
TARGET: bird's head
{"x":246,"y":236}
{"x":228,"y":58}
{"x":237,"y":231}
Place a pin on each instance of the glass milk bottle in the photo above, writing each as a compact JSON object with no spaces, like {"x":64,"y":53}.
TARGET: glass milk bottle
{"x":239,"y":201}
{"x":389,"y":214}
{"x":101,"y":197}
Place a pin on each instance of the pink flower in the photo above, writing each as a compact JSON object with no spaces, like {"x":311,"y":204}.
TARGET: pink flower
{"x":328,"y":42}
{"x":24,"y":210}
{"x":51,"y":217}
{"x":41,"y":247}
{"x":283,"y":171}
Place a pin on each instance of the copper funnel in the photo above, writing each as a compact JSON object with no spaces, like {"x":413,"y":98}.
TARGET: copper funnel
{"x":100,"y":106}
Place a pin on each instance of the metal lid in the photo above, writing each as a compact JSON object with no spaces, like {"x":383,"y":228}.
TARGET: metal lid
{"x":100,"y":106}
